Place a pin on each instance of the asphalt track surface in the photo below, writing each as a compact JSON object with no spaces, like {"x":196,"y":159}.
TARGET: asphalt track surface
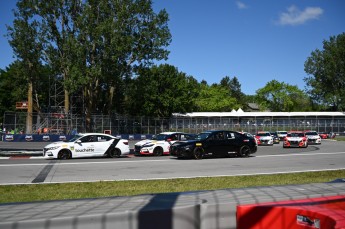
{"x":330,"y":155}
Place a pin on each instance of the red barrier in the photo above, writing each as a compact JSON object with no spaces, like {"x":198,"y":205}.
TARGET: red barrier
{"x":324,"y":213}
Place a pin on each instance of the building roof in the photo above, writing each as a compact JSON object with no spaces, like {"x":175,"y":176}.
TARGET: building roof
{"x":241,"y":113}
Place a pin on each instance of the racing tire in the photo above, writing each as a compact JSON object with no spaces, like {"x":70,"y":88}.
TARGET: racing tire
{"x":244,"y":151}
{"x":115,"y":153}
{"x":198,"y":153}
{"x":64,"y":155}
{"x":158,"y":151}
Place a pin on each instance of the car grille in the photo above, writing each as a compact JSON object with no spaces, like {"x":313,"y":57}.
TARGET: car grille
{"x":295,"y":143}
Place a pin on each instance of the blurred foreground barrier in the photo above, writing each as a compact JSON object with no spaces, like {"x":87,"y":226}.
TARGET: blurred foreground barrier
{"x":214,"y":209}
{"x":325,"y":212}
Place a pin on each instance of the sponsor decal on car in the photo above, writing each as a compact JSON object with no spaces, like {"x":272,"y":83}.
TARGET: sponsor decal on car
{"x":85,"y":150}
{"x":307,"y":221}
{"x":71,"y":148}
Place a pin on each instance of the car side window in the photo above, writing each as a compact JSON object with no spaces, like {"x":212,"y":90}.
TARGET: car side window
{"x":174,"y":137}
{"x":101,"y":138}
{"x":220,"y":136}
{"x":230,"y":135}
{"x":89,"y":138}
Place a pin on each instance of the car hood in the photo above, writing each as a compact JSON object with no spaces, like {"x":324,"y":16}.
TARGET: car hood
{"x":57,"y":144}
{"x":183,"y":143}
{"x":312,"y":136}
{"x":294,"y":138}
{"x":264,"y":137}
{"x":147,"y":141}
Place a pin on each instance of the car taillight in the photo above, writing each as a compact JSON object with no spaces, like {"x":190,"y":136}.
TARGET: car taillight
{"x":246,"y":140}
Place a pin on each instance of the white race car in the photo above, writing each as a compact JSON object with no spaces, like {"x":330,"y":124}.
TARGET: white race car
{"x":313,"y":137}
{"x":264,"y":138}
{"x":160,"y":144}
{"x":87,"y":145}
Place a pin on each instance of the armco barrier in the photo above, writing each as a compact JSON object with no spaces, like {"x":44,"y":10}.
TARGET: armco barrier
{"x":324,"y":212}
{"x":215,"y":209}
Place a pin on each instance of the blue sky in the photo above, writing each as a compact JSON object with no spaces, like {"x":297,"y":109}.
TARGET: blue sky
{"x":256,"y":41}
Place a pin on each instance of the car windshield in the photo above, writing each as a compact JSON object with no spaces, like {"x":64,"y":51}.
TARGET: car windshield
{"x":160,"y":137}
{"x":282,"y":132}
{"x":263,"y":134}
{"x":311,"y":133}
{"x":295,"y":135}
{"x":202,"y":136}
{"x":75,"y":137}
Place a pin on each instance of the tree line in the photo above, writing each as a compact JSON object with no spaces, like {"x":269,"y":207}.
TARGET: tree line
{"x":103,"y":53}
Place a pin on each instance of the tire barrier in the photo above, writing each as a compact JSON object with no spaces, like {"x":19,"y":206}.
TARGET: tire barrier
{"x":190,"y":210}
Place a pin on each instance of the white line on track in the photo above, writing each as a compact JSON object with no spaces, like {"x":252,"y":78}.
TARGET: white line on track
{"x":150,"y":161}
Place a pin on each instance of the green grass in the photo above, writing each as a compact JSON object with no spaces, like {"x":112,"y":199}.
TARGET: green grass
{"x":44,"y":192}
{"x":340,"y":138}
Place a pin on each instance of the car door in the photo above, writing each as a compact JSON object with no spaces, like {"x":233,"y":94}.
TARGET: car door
{"x":216,"y":144}
{"x":85,"y":146}
{"x":101,"y":144}
{"x":231,"y":142}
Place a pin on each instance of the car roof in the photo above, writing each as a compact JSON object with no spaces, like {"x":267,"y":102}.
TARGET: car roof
{"x":87,"y":134}
{"x":216,"y":131}
{"x":167,"y":133}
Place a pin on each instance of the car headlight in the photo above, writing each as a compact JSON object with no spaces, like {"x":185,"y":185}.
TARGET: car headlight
{"x":53,"y":148}
{"x":148,"y":145}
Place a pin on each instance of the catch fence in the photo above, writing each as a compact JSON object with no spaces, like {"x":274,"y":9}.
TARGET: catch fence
{"x":55,"y":123}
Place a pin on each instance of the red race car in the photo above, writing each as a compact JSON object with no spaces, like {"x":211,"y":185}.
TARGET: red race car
{"x":295,"y":139}
{"x":323,"y":135}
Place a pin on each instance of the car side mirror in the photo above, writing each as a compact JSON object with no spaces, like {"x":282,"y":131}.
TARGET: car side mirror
{"x":78,"y":141}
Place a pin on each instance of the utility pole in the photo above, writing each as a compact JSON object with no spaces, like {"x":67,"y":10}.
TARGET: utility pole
{"x":29,"y":112}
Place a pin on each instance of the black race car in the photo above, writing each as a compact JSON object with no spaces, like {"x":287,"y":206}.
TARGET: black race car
{"x":275,"y":137}
{"x":215,"y":143}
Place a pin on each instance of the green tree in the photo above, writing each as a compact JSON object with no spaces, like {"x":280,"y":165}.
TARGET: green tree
{"x":215,"y":98}
{"x":161,"y":91}
{"x":95,"y":45}
{"x":234,"y":88}
{"x":12,"y":89}
{"x":326,"y":69}
{"x":281,"y":97}
{"x":24,"y":39}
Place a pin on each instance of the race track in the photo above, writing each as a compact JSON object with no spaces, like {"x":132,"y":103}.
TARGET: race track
{"x":268,"y":160}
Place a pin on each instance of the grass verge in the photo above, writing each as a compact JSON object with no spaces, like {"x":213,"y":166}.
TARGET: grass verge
{"x":340,"y":138}
{"x":45,"y":192}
